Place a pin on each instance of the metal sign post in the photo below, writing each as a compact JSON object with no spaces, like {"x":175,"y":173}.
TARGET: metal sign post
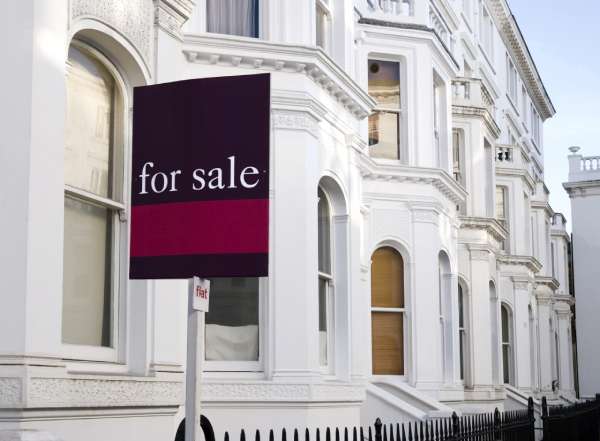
{"x":198,"y":298}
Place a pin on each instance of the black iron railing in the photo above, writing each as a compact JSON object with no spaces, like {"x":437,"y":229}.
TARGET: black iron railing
{"x":579,"y":422}
{"x":515,"y":425}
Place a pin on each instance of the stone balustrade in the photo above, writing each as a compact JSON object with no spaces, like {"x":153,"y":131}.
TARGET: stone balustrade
{"x":583,"y":168}
{"x":471,"y":92}
{"x":504,"y":153}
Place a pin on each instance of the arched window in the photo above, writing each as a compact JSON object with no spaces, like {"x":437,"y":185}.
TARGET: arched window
{"x":325,"y":281}
{"x":507,"y":345}
{"x":462,"y":330}
{"x":387,"y":312}
{"x":94,"y":195}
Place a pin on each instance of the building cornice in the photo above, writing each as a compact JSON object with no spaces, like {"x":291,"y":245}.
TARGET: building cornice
{"x":513,"y":38}
{"x":543,"y":205}
{"x":489,"y":225}
{"x":530,"y":262}
{"x":242,"y":52}
{"x":518,"y":172}
{"x":479,"y":112}
{"x":582,"y":188}
{"x":548,"y":281}
{"x":372,"y":170}
{"x":376,"y":26}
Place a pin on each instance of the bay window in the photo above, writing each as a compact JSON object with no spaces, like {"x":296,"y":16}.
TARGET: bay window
{"x":93,"y":200}
{"x":233,"y":17}
{"x":507,"y":345}
{"x":386,"y":120}
{"x":502,"y":210}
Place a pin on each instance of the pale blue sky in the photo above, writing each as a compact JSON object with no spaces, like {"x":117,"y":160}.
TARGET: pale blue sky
{"x":564,"y":39}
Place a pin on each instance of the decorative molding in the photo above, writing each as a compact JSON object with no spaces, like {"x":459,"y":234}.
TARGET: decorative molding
{"x":511,"y":34}
{"x":489,"y":225}
{"x":94,"y":392}
{"x":11,"y":392}
{"x":581,"y":189}
{"x":481,"y":113}
{"x":529,"y":262}
{"x":521,"y":283}
{"x":425,"y":215}
{"x":295,"y":120}
{"x":172,"y":14}
{"x":268,"y":391}
{"x":440,"y":179}
{"x":479,"y":254}
{"x":311,"y":62}
{"x":550,"y":282}
{"x":132,"y":18}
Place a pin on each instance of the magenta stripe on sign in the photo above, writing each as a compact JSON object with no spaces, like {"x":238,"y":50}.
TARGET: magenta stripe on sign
{"x":202,"y":227}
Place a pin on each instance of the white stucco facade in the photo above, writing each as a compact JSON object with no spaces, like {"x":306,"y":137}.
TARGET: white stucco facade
{"x":469,"y":133}
{"x":583,"y":188}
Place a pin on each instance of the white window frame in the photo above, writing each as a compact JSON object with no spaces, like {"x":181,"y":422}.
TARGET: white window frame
{"x":329,"y":368}
{"x":486,"y":32}
{"x":400,"y":111}
{"x":509,"y":344}
{"x":119,"y":258}
{"x":512,"y":82}
{"x":324,"y":8}
{"x":463,"y":335}
{"x":246,"y":366}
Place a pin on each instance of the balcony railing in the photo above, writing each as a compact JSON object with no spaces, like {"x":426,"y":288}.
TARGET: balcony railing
{"x":387,"y":10}
{"x":471,"y":92}
{"x":583,"y":168}
{"x":504,"y":153}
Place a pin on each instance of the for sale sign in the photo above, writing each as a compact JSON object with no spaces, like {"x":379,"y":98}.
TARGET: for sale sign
{"x":200,"y":179}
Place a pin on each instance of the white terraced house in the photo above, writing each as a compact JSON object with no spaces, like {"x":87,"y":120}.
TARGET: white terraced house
{"x":416,"y":266}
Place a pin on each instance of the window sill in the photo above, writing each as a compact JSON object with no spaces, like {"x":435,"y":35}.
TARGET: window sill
{"x":96,"y":368}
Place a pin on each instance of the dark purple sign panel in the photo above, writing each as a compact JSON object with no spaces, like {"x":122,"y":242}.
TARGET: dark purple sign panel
{"x":200,"y":179}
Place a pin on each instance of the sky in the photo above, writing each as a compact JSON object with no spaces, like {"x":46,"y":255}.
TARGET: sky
{"x":564,"y":40}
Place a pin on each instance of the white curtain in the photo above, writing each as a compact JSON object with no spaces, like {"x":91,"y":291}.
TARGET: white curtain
{"x":233,"y":17}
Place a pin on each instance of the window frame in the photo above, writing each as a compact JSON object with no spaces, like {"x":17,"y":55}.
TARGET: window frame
{"x":120,"y":228}
{"x":402,"y":311}
{"x":486,"y":32}
{"x":400,"y":111}
{"x":512,"y":83}
{"x":256,"y":366}
{"x":509,"y":343}
{"x":329,"y":367}
{"x":324,"y":7}
{"x":463,"y":333}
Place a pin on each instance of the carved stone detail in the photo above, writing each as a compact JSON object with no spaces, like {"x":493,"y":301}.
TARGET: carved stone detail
{"x":11,"y":392}
{"x":84,"y":392}
{"x":132,"y":18}
{"x":295,"y":121}
{"x":266,"y":391}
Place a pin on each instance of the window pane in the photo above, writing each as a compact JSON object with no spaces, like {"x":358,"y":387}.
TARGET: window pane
{"x":323,"y":313}
{"x":233,"y":17}
{"x":506,"y":363}
{"x":505,"y":326}
{"x":324,"y":233}
{"x":89,"y":125}
{"x":232,"y":328}
{"x":388,"y":343}
{"x":500,"y":204}
{"x":384,"y":135}
{"x":384,"y":83}
{"x":461,"y":312}
{"x":387,"y":279}
{"x":461,"y":339}
{"x":87,"y":299}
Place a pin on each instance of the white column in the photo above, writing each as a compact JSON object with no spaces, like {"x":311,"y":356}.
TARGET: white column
{"x":32,"y":197}
{"x":426,"y":344}
{"x":293,"y":285}
{"x":565,"y":347}
{"x":521,"y":342}
{"x":545,"y":342}
{"x":484,"y":322}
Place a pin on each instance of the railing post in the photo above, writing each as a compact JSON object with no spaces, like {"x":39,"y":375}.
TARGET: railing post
{"x":378,"y":425}
{"x":531,"y":415}
{"x":545,"y":419}
{"x":455,"y":426}
{"x":497,"y":425}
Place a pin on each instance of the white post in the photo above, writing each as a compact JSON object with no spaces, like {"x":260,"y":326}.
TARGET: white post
{"x":193,"y":367}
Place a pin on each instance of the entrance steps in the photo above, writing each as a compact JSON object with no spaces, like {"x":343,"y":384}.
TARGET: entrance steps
{"x":393,"y":400}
